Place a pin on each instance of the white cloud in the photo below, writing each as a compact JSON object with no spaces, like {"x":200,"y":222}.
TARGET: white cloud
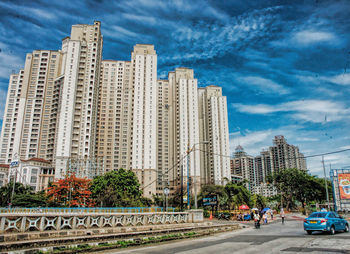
{"x":265,"y":85}
{"x":306,"y":139}
{"x":308,"y":37}
{"x":317,"y":111}
{"x":8,"y":64}
{"x":29,"y":11}
{"x":3,"y":96}
{"x":341,"y":79}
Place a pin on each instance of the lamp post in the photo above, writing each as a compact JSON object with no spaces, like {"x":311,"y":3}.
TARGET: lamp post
{"x":195,"y":179}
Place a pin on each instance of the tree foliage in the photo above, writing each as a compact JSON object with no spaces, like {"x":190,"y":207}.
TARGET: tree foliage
{"x":23,"y":196}
{"x":259,"y":201}
{"x":298,"y":185}
{"x":117,"y":189}
{"x":71,"y":191}
{"x":237,"y":195}
{"x":210,"y":190}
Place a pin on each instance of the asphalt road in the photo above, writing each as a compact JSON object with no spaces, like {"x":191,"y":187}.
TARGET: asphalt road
{"x":271,"y":238}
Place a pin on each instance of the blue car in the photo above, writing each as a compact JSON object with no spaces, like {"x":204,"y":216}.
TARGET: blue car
{"x":325,"y":221}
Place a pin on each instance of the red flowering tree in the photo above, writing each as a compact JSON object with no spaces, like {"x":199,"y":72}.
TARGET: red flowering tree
{"x":71,"y":191}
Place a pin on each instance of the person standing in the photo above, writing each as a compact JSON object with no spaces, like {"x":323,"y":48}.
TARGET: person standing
{"x":271,"y":213}
{"x":265,"y":217}
{"x":282,"y":215}
{"x":257,"y":220}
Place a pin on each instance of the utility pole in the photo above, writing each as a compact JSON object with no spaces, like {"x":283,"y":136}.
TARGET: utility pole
{"x":325,"y":183}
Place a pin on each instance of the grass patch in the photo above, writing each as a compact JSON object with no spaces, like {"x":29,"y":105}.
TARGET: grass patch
{"x":120,"y":244}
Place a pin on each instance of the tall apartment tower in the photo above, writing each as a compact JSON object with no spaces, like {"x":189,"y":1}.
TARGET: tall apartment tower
{"x":114,"y":113}
{"x":284,"y":155}
{"x":76,"y":134}
{"x":128,"y":116}
{"x":213,"y":122}
{"x":28,"y":112}
{"x":263,"y":167}
{"x":243,"y":164}
{"x":165,"y":135}
{"x":144,"y":116}
{"x":186,"y":125}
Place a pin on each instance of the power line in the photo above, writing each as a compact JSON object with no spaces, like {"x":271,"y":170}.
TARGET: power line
{"x":177,"y":163}
{"x":228,"y":156}
{"x":292,"y":158}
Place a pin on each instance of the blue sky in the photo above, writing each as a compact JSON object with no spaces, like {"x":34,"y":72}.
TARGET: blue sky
{"x":283,"y":65}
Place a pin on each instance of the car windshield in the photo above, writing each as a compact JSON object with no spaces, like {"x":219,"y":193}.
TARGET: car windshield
{"x":318,"y":215}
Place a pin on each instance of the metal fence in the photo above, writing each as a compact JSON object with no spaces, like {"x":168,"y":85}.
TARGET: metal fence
{"x":24,"y":210}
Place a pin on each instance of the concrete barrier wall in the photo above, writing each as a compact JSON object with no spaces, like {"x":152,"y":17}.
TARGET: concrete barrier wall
{"x":16,"y":223}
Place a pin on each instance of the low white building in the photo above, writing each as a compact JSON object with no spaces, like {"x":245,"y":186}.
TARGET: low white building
{"x":35,"y":172}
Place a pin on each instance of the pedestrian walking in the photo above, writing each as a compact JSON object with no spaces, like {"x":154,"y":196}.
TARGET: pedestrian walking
{"x":257,"y":220}
{"x":265,"y":218}
{"x":282,"y":215}
{"x":271,"y":213}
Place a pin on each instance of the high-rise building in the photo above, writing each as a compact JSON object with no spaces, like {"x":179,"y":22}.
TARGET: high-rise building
{"x":27,"y":119}
{"x":256,"y":170}
{"x":87,"y":116}
{"x":243,"y":165}
{"x":165,"y":135}
{"x":263,"y":167}
{"x":284,"y":155}
{"x":113,"y":121}
{"x":213,"y":122}
{"x":186,"y":126}
{"x":76,"y":129}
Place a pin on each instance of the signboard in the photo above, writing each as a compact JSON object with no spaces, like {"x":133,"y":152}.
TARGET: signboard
{"x":341,"y":188}
{"x":210,"y":200}
{"x":344,"y":186}
{"x":166,"y":191}
{"x":15,"y":161}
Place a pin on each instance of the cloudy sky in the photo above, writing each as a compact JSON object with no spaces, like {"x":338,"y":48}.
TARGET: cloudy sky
{"x":283,"y":65}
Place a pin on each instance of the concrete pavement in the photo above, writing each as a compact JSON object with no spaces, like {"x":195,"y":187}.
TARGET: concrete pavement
{"x":271,"y":238}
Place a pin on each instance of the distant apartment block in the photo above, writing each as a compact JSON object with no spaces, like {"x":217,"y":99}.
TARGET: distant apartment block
{"x":256,"y":170}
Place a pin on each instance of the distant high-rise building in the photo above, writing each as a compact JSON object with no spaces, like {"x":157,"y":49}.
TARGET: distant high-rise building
{"x":256,"y":170}
{"x":263,"y":167}
{"x":213,"y":122}
{"x":243,"y":165}
{"x":284,"y":155}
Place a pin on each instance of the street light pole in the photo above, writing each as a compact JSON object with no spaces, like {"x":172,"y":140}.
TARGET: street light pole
{"x":325,"y":183}
{"x":195,"y":176}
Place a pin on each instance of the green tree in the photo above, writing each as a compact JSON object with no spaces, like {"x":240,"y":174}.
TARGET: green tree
{"x":209,"y":190}
{"x":23,"y":196}
{"x":30,"y":199}
{"x":118,"y":188}
{"x":298,"y":185}
{"x":238,"y":195}
{"x":259,"y":201}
